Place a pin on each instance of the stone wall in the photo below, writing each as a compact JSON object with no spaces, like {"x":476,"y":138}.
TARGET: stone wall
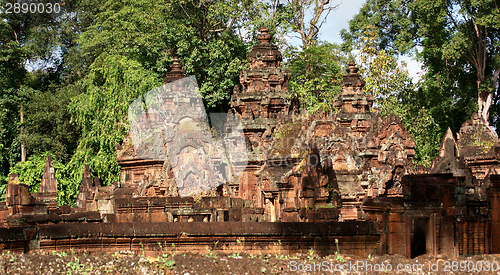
{"x":310,"y":182}
{"x":354,"y":238}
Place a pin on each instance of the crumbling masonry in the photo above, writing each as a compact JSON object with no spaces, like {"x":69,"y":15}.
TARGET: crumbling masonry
{"x":309,"y":181}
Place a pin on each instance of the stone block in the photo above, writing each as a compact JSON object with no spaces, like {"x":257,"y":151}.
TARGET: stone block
{"x":329,"y":214}
{"x":40,"y":208}
{"x":395,"y":244}
{"x":109,"y":218}
{"x":223,"y":203}
{"x":235,"y":214}
{"x":395,"y":218}
{"x":54,"y":231}
{"x":48,"y":244}
{"x":237,"y":203}
{"x":396,"y":227}
{"x":18,"y":194}
{"x":247,"y":211}
{"x":206,"y":203}
{"x":259,"y":211}
{"x":291,"y":217}
{"x":313,"y":216}
{"x":93,"y":216}
{"x":106,"y":206}
{"x":248,"y":203}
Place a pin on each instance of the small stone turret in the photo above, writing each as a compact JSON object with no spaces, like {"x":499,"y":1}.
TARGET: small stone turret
{"x":264,"y":54}
{"x":176,"y":72}
{"x":352,"y":83}
{"x":264,"y":99}
{"x":355,"y":106}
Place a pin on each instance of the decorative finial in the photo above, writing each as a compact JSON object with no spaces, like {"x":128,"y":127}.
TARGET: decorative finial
{"x":176,"y":71}
{"x":176,"y":66}
{"x":264,"y":36}
{"x":352,"y":69}
{"x":352,"y":79}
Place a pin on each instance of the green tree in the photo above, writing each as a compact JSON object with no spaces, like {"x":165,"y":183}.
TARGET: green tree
{"x":31,"y":41}
{"x":47,"y":127}
{"x":101,"y":111}
{"x":316,"y":75}
{"x":458,"y":42}
{"x":394,"y":93}
{"x":128,"y":48}
{"x":383,"y":75}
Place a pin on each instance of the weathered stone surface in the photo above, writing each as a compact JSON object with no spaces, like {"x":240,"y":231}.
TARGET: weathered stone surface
{"x":475,"y":137}
{"x":49,"y":181}
{"x":18,"y":194}
{"x":474,"y":156}
{"x":310,"y":181}
{"x":337,"y":159}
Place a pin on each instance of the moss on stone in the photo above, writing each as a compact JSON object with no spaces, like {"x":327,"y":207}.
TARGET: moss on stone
{"x":285,"y":138}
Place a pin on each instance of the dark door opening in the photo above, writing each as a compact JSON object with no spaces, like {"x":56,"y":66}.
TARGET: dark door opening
{"x":419,"y":236}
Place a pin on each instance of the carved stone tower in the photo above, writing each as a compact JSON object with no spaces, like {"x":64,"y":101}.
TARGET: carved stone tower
{"x":261,"y":104}
{"x":354,"y":104}
{"x":134,"y":169}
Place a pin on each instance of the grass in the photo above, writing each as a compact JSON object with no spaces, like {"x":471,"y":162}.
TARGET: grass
{"x":338,"y":257}
{"x":167,"y":261}
{"x":75,"y":266}
{"x":210,"y":253}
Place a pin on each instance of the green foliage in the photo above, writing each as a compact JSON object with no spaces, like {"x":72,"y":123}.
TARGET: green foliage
{"x":77,"y":267}
{"x":201,"y":33}
{"x":167,"y":262}
{"x":130,"y":45}
{"x":47,"y":126}
{"x":316,"y":75}
{"x":61,"y":254}
{"x":101,"y":111}
{"x":30,"y":173}
{"x":383,"y":75}
{"x":9,"y":129}
{"x":338,"y":256}
{"x":310,"y":254}
{"x":395,"y":93}
{"x":30,"y":41}
{"x":457,"y":41}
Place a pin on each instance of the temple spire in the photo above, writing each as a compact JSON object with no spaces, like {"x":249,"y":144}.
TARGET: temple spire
{"x":264,"y":54}
{"x":176,"y":71}
{"x":353,"y":82}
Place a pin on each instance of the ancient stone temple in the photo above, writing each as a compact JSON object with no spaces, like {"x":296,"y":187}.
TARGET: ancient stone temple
{"x":305,"y":181}
{"x":263,"y":99}
{"x":149,"y":175}
{"x":261,"y":103}
{"x":332,"y":163}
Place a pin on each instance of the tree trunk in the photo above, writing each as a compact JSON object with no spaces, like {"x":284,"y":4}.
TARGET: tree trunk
{"x":23,"y":149}
{"x":486,"y":108}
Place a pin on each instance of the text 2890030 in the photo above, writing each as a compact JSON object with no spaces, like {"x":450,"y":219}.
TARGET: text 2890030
{"x":32,"y":7}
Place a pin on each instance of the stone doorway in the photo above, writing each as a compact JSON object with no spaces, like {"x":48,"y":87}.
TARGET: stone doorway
{"x":420,"y":235}
{"x":419,"y":228}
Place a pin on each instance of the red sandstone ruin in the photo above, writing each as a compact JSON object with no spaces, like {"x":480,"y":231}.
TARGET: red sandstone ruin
{"x":309,"y":181}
